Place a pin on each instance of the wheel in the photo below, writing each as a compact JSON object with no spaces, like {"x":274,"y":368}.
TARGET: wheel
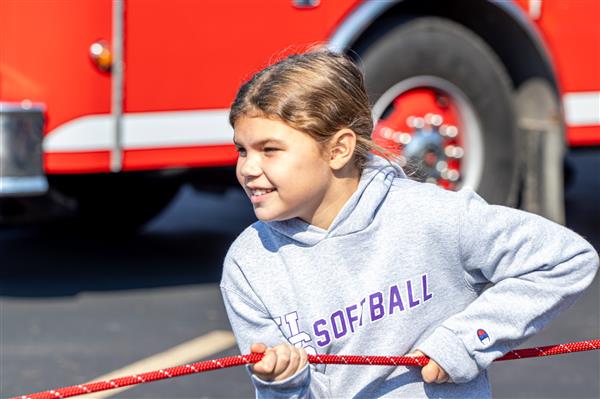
{"x":444,"y":102}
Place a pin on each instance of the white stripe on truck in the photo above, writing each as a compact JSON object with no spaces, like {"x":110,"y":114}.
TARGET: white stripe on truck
{"x":211,"y":127}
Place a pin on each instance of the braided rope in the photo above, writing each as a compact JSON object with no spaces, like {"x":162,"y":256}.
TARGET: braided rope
{"x":240,"y":360}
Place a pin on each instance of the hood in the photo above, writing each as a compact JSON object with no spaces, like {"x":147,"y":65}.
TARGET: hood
{"x":356,"y":214}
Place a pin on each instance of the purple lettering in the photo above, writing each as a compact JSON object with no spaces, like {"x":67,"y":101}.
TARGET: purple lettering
{"x":426,"y":295}
{"x":361,"y":310}
{"x":351,"y":317}
{"x":411,"y":301}
{"x":377,"y":310}
{"x":324,"y":333}
{"x":338,"y":333}
{"x":395,"y":299}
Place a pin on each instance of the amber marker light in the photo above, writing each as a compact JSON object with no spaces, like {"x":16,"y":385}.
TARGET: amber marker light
{"x":101,"y":55}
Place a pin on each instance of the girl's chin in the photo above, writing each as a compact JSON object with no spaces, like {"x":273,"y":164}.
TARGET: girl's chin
{"x":263,"y":216}
{"x":268,"y":217}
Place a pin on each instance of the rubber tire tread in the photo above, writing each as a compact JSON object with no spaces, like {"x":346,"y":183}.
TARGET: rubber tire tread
{"x":398,"y":50}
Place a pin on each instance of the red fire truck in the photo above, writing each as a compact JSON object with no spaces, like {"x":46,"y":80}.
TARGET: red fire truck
{"x":107,"y":106}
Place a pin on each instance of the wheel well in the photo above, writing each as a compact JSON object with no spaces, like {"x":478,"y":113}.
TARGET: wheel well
{"x":523,"y":57}
{"x":510,"y":35}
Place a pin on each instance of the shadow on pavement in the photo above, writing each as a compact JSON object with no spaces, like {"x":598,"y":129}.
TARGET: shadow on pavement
{"x":57,"y":265}
{"x":184,"y":245}
{"x":582,"y":198}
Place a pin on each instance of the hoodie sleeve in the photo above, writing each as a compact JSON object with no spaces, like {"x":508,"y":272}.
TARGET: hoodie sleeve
{"x":536,"y":268}
{"x":251,"y":323}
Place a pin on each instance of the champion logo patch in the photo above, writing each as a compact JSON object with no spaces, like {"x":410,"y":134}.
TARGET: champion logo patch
{"x":483,"y":336}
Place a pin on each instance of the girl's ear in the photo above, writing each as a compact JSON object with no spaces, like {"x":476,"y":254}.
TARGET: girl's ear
{"x":341,"y":148}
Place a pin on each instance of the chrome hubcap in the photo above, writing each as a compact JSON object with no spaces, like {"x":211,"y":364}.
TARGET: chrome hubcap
{"x":432,"y":127}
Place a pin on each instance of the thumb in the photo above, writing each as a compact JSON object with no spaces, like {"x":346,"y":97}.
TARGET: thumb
{"x":258,"y":348}
{"x":418,"y":353}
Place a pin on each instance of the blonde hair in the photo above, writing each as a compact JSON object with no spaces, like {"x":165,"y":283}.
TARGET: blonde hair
{"x":319,"y":93}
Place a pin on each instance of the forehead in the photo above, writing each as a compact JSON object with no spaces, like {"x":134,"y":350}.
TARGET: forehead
{"x":249,"y":131}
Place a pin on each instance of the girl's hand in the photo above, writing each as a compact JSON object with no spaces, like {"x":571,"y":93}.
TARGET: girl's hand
{"x":432,"y":372}
{"x":279,"y":362}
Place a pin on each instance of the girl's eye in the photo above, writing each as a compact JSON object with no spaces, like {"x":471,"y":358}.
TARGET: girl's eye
{"x":241,"y":151}
{"x":270,"y":149}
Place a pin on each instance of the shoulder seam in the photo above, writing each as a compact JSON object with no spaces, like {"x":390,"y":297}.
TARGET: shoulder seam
{"x":461,"y":213}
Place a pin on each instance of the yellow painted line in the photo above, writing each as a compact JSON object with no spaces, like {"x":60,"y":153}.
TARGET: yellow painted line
{"x":187,"y":352}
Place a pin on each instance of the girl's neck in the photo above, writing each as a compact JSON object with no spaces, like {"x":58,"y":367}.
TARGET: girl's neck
{"x":343,"y":185}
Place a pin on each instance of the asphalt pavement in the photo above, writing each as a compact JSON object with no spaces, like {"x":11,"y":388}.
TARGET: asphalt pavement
{"x":73,"y":309}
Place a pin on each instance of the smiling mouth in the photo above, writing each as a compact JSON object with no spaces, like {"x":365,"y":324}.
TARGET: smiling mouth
{"x":258,"y":193}
{"x":257,"y":196}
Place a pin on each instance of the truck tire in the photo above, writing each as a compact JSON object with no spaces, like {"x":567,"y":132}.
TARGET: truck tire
{"x":543,"y":178}
{"x":442,"y":98}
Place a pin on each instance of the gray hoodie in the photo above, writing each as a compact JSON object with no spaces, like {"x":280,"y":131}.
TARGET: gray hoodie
{"x":402,"y":267}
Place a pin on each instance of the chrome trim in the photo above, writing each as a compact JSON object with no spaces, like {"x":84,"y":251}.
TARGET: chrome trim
{"x":473,"y":160}
{"x":21,"y":154}
{"x":16,"y":186}
{"x":116,"y":159}
{"x":306,"y":3}
{"x":535,"y":9}
{"x":23,"y":106}
{"x":358,"y":21}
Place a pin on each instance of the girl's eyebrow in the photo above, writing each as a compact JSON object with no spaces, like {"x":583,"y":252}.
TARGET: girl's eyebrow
{"x":262,"y":142}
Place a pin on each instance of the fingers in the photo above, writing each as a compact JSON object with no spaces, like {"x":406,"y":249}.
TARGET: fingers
{"x":265,"y":368}
{"x":283,"y":359}
{"x":432,"y":372}
{"x":429,"y":372}
{"x":303,"y":358}
{"x":289,"y":359}
{"x":279,"y":362}
{"x":443,"y":377}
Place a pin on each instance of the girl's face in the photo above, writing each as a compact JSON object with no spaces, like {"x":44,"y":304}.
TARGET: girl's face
{"x":283,"y":170}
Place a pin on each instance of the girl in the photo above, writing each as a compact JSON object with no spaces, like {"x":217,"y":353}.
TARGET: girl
{"x":349,"y":256}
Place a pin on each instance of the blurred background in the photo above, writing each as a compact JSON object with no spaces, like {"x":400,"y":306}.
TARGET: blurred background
{"x":118,"y":198}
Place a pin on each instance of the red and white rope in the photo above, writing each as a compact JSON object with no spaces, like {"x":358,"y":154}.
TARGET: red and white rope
{"x":240,"y":360}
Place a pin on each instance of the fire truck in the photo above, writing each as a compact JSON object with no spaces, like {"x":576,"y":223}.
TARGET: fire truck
{"x":107,"y":107}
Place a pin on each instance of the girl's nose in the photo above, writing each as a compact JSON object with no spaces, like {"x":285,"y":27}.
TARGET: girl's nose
{"x":250,"y":167}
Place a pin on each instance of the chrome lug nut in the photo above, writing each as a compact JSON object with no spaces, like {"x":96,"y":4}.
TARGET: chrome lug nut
{"x":436,"y":120}
{"x":404,"y":138}
{"x":441,"y":166}
{"x":451,"y":131}
{"x":453,"y":175}
{"x":419,"y":123}
{"x":387,"y":132}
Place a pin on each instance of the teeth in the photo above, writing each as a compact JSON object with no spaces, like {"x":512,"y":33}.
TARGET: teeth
{"x":261,"y":192}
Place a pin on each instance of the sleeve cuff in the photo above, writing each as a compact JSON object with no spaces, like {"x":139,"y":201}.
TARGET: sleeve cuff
{"x":295,"y":386}
{"x":450,"y":353}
